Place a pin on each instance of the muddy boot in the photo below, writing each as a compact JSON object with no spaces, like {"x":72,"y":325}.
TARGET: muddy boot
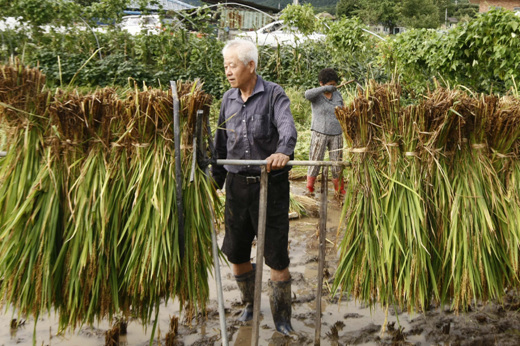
{"x":280,"y":301}
{"x":246,"y":284}
{"x":310,"y":186}
{"x":339,"y":187}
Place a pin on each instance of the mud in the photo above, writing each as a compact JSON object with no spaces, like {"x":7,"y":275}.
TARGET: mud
{"x":343,"y":321}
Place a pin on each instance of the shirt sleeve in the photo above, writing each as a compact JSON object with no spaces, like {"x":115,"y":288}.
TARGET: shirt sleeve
{"x":218,"y":172}
{"x":284,"y":122}
{"x":312,"y":94}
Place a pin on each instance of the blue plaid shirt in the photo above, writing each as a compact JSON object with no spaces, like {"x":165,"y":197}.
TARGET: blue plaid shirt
{"x":255,"y":129}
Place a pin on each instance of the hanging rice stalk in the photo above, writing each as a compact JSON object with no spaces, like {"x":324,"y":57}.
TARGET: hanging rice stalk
{"x":432,"y":193}
{"x":502,"y":138}
{"x":476,"y":250}
{"x":362,"y":269}
{"x":89,"y":226}
{"x":29,"y":193}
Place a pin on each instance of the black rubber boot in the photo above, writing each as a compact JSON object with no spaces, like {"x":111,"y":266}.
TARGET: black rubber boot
{"x":281,"y":300}
{"x":246,"y":284}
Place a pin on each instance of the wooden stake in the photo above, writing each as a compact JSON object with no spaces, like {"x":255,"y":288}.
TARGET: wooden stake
{"x":260,"y":242}
{"x":322,"y":244}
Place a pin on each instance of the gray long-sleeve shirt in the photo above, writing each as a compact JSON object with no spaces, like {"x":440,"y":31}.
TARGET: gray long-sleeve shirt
{"x":323,"y":110}
{"x":255,"y":129}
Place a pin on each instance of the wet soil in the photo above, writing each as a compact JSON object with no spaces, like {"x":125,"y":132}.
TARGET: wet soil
{"x":343,"y":321}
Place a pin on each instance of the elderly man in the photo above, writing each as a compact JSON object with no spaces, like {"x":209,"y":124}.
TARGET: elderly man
{"x":255,"y":123}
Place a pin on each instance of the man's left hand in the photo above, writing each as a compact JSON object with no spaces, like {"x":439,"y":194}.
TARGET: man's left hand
{"x":276,"y":161}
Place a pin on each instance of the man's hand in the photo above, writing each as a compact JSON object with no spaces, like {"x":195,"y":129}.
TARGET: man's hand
{"x":276,"y":161}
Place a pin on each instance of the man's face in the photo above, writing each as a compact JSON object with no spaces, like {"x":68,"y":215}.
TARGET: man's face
{"x":237,"y":73}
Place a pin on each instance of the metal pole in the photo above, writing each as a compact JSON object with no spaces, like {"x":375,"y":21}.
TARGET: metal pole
{"x":196,"y":135}
{"x":321,"y":266}
{"x":260,"y":242}
{"x":178,"y":168}
{"x":290,"y":163}
{"x":214,"y":245}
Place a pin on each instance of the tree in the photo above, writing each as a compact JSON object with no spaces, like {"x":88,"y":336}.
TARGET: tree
{"x":347,"y":8}
{"x":385,"y":12}
{"x":300,"y":16}
{"x":389,"y":14}
{"x":65,"y":12}
{"x":37,"y":12}
{"x":420,"y":14}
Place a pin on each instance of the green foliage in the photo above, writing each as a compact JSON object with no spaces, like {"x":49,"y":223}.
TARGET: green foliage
{"x":420,"y":14}
{"x":64,"y":12}
{"x":462,"y":11}
{"x":347,"y":8}
{"x":481,"y":54}
{"x":300,"y":106}
{"x":38,"y":12}
{"x":347,"y":35}
{"x":386,"y":12}
{"x":301,"y":17}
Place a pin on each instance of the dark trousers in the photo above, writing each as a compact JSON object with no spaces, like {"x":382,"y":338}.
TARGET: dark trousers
{"x":241,"y":218}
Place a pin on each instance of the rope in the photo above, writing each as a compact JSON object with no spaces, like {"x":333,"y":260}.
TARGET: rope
{"x":358,"y":150}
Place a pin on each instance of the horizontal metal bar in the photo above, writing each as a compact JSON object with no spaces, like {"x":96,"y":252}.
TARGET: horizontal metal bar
{"x":264,"y":162}
{"x":290,"y":163}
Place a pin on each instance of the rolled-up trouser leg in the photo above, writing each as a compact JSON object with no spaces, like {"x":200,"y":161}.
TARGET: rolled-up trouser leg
{"x":280,"y":301}
{"x":246,"y":284}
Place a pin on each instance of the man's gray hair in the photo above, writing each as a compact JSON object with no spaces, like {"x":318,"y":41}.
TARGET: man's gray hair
{"x":246,"y":50}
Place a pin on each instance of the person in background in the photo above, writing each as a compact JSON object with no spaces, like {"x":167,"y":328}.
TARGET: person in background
{"x":326,"y":132}
{"x":255,"y":123}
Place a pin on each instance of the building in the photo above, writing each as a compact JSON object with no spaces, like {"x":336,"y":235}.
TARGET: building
{"x":165,"y":5}
{"x":486,"y":5}
{"x":239,"y":15}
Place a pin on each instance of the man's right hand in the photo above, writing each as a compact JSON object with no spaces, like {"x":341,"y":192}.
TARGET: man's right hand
{"x":276,"y":161}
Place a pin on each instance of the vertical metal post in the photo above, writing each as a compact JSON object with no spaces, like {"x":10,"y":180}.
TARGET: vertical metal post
{"x":214,"y":245}
{"x":178,"y":168}
{"x":322,"y":240}
{"x":260,"y":242}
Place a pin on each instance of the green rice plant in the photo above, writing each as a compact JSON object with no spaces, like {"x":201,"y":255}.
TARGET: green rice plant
{"x":296,"y":206}
{"x":31,"y":241}
{"x":90,"y":224}
{"x":29,"y":192}
{"x":152,"y":223}
{"x":436,"y":126}
{"x":430,"y":202}
{"x":476,"y":252}
{"x":502,"y":139}
{"x":361,"y":271}
{"x":409,"y":252}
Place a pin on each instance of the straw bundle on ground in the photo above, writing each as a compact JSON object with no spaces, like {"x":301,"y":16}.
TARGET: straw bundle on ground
{"x":89,"y":223}
{"x":431,"y":197}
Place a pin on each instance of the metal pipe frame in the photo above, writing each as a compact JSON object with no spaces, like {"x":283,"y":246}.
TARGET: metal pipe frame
{"x":290,"y":163}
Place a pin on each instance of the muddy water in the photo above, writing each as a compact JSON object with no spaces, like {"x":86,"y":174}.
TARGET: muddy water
{"x":343,"y":321}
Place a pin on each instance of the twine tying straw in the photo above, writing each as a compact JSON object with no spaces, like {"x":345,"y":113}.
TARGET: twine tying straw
{"x":410,"y":153}
{"x":479,"y":146}
{"x":141,"y":145}
{"x":358,"y":150}
{"x":502,"y":156}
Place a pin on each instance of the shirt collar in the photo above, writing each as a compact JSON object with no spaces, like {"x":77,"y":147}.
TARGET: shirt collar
{"x":259,"y":88}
